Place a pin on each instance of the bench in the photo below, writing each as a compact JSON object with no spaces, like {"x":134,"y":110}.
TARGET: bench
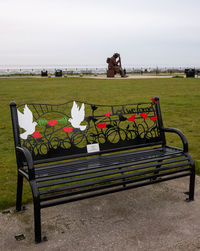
{"x":76,"y":150}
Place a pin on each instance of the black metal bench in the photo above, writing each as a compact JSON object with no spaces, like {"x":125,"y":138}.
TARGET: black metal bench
{"x":73,"y":151}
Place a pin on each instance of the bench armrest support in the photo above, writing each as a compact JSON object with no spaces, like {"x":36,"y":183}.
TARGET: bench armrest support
{"x":180,"y":134}
{"x":28,"y":158}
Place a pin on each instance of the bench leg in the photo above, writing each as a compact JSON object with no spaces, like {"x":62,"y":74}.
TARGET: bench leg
{"x":37,"y":211}
{"x":19,"y":192}
{"x":192,"y":179}
{"x":192,"y":185}
{"x":37,"y":222}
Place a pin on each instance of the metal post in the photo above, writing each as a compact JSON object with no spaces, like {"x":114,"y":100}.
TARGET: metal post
{"x":19,"y":192}
{"x":160,"y":122}
{"x":192,"y":184}
{"x":192,"y":179}
{"x":37,"y":209}
{"x":37,"y":222}
{"x":13,"y":108}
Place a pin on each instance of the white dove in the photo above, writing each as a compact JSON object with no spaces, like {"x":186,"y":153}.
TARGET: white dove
{"x":26,"y":122}
{"x":78,"y":116}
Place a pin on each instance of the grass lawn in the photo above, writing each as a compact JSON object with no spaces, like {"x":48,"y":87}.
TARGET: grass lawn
{"x":179,"y":98}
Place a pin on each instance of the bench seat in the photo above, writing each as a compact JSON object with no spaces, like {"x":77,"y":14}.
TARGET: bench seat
{"x":111,"y":172}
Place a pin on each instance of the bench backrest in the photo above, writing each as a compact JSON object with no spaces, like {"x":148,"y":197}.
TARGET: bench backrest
{"x":79,"y":129}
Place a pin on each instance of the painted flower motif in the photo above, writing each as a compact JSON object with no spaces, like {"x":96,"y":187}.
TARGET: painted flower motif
{"x":132,"y":118}
{"x":67,"y":129}
{"x":153,"y":99}
{"x":52,"y":122}
{"x":153,"y":118}
{"x":107,"y":114}
{"x":101,"y":125}
{"x":36,"y":135}
{"x":144,"y":115}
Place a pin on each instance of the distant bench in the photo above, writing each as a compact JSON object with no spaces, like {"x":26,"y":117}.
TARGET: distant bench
{"x":107,"y":149}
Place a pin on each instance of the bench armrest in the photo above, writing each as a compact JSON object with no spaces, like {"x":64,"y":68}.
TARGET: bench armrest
{"x":28,"y":158}
{"x":181,"y":135}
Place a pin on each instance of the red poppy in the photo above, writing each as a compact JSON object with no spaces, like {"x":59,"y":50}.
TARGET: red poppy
{"x":36,"y":135}
{"x":153,"y":99}
{"x":67,"y":129}
{"x":153,"y":118}
{"x":107,"y":114}
{"x":52,"y":122}
{"x":144,"y":115}
{"x":132,"y":118}
{"x":101,"y":125}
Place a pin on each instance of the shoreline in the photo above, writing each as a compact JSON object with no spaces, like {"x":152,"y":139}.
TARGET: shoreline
{"x":88,"y":76}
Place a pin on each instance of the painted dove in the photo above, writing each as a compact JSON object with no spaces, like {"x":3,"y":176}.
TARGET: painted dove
{"x":26,"y":122}
{"x":78,"y":116}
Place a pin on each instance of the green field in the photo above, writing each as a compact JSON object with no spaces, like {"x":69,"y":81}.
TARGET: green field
{"x":179,"y":98}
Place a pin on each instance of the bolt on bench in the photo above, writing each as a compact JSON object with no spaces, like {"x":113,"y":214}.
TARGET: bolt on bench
{"x":76,"y":150}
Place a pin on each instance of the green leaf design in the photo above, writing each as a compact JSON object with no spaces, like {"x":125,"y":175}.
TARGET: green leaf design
{"x":63,"y":120}
{"x":42,"y":122}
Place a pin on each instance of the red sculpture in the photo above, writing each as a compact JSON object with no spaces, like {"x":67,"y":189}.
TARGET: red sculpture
{"x":114,"y":66}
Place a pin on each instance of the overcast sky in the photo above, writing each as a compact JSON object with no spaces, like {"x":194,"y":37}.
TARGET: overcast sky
{"x":86,"y":32}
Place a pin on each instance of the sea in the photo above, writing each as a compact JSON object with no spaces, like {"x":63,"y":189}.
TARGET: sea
{"x":36,"y":69}
{"x":77,"y":69}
